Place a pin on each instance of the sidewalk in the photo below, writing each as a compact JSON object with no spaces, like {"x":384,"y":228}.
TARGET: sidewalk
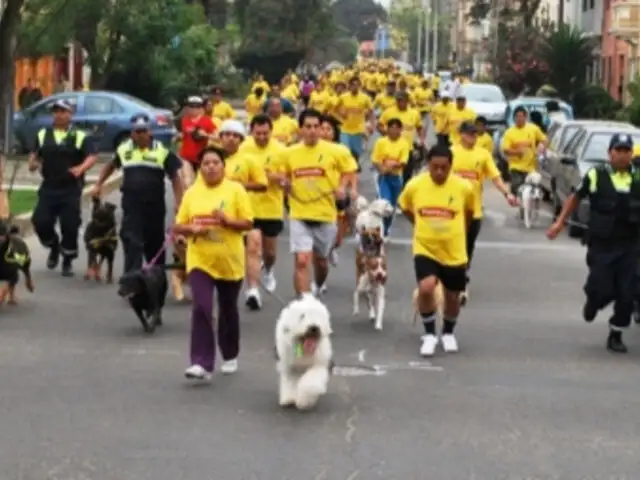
{"x":25,"y":180}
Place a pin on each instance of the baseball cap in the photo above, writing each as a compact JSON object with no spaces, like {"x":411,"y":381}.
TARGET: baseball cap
{"x":62,"y":105}
{"x":621,"y":140}
{"x":140,"y":122}
{"x":445,"y":95}
{"x":468,"y":127}
{"x":233,"y":126}
{"x":195,"y":101}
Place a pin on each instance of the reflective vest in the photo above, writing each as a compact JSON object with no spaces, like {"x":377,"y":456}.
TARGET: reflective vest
{"x":143,"y":170}
{"x":614,"y":204}
{"x":59,"y":157}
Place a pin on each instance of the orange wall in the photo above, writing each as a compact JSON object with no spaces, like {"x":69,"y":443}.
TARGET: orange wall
{"x":615,"y":58}
{"x":42,"y":71}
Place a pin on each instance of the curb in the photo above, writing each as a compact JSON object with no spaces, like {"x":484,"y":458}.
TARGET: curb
{"x":23,"y":221}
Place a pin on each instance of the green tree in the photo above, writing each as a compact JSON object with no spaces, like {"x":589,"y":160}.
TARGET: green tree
{"x":360,"y":18}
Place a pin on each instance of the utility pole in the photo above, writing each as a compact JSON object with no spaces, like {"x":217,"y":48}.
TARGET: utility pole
{"x":7,"y":102}
{"x":427,"y":33}
{"x":436,"y":33}
{"x":419,"y":40}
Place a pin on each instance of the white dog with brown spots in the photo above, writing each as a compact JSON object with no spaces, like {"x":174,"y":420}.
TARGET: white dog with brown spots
{"x":371,"y":265}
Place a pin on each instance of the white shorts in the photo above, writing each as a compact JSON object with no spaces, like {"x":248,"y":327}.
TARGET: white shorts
{"x":318,"y":238}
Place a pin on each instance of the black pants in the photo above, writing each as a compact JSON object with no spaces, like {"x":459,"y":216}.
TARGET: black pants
{"x":58,"y":206}
{"x":409,"y":168}
{"x":472,"y":236}
{"x":443,"y":140}
{"x":142,"y":233}
{"x":612,"y":277}
{"x":517,"y":180}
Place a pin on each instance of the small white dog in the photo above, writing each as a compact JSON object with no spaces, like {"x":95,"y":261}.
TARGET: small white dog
{"x":531,"y":197}
{"x":371,"y":265}
{"x":303,"y":347}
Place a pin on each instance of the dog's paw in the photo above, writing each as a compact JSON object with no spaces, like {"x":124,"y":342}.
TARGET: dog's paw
{"x":306,"y":401}
{"x":378,"y":324}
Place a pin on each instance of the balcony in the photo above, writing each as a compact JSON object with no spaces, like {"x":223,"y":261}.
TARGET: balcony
{"x":625,"y":20}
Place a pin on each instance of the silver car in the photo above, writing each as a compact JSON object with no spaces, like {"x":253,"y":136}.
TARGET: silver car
{"x":487,"y":100}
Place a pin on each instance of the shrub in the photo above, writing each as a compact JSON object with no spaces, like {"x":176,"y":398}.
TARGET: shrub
{"x":593,"y":101}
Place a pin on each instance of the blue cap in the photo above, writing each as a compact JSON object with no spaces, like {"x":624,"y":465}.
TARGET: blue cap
{"x":140,"y":122}
{"x":621,"y":140}
{"x":62,"y":105}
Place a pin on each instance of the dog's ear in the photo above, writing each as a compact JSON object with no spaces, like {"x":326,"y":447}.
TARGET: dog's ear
{"x":361,"y":203}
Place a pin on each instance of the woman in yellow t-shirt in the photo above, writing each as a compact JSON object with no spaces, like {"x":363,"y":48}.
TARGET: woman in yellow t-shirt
{"x":213,"y":215}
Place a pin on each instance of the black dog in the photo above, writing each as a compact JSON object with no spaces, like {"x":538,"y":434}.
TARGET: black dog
{"x":101,"y":240}
{"x":15,"y":257}
{"x":146,"y":290}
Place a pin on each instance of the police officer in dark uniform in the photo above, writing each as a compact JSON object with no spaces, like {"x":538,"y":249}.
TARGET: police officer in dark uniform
{"x":612,"y":238}
{"x":63,"y":154}
{"x":145,"y":163}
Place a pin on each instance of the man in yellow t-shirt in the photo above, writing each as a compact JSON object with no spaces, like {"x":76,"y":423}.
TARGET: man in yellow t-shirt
{"x":520,"y":144}
{"x":386,"y":99}
{"x":319,"y":99}
{"x":440,"y":205}
{"x":355,"y":109}
{"x":389,"y":157}
{"x":243,"y":168}
{"x":317,"y":177}
{"x":221,"y":109}
{"x":440,"y":118}
{"x":254,"y":101}
{"x":423,"y":97}
{"x":285,"y":128}
{"x":458,"y":115}
{"x":268,"y":206}
{"x":475,"y":164}
{"x":484,"y":139}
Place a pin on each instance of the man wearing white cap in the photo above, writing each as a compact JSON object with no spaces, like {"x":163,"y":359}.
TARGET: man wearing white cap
{"x":243,"y":168}
{"x":196,"y":131}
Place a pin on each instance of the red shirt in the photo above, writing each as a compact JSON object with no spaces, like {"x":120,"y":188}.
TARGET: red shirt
{"x":191,"y":147}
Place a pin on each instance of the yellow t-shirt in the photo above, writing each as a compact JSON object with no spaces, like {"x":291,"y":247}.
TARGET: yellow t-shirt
{"x":370,"y":81}
{"x":440,"y":118}
{"x":474,"y":165}
{"x":221,"y":254}
{"x":435,"y":82}
{"x":387,"y":149}
{"x":261,"y":84}
{"x":223,"y":111}
{"x":384,"y":101}
{"x":410,"y":118}
{"x":355,"y":109}
{"x":314,"y":173}
{"x":456,"y":118}
{"x":285,"y":129}
{"x":270,"y":204}
{"x":319,"y":100}
{"x":485,"y":141}
{"x":440,"y":213}
{"x":423,"y":98}
{"x":244,"y":168}
{"x":349,"y":164}
{"x":253,"y":105}
{"x":291,"y":93}
{"x":528,"y":137}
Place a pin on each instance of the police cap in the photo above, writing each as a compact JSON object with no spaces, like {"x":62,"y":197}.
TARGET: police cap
{"x":62,"y":104}
{"x":195,"y":101}
{"x":621,"y":140}
{"x":140,"y":122}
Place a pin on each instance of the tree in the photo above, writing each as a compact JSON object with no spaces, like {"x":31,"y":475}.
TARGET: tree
{"x":522,"y":12}
{"x":277,"y":35}
{"x":9,"y":23}
{"x":360,"y":18}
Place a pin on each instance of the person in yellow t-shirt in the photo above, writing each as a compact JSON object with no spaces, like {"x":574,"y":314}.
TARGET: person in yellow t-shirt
{"x":268,"y":206}
{"x":423,"y":97}
{"x":386,"y":99}
{"x":253,"y":103}
{"x":435,"y":83}
{"x":285,"y":128}
{"x":520,"y":144}
{"x":440,"y":118}
{"x":243,"y":168}
{"x":475,"y":164}
{"x":260,"y":82}
{"x":389,"y":157}
{"x":484,"y":137}
{"x":440,"y":205}
{"x":355,"y":109}
{"x":458,"y":115}
{"x":319,"y":99}
{"x":290,"y":91}
{"x":333,"y":101}
{"x":221,"y":109}
{"x":316,"y":179}
{"x":330,"y":132}
{"x":213,"y":215}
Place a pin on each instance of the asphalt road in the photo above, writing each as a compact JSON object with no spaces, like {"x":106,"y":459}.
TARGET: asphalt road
{"x":532,"y":394}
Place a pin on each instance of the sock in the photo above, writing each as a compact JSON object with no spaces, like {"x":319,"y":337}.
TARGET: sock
{"x":429,"y":322}
{"x":449,"y":325}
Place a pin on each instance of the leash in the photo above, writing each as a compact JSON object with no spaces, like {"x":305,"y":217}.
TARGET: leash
{"x":168,"y":239}
{"x":12,"y":181}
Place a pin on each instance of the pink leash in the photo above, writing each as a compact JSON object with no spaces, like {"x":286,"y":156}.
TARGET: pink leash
{"x":168,"y":239}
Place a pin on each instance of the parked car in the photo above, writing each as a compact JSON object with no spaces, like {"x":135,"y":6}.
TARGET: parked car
{"x":105,"y":115}
{"x":559,"y":134}
{"x":532,"y":104}
{"x":587,"y":149}
{"x":487,"y":100}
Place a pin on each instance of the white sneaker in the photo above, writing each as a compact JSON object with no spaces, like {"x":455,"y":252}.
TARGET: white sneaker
{"x":196,"y":372}
{"x":253,"y":299}
{"x":429,"y":344}
{"x":449,"y":343}
{"x":398,"y":211}
{"x":333,"y":258}
{"x":229,"y":366}
{"x":269,"y":281}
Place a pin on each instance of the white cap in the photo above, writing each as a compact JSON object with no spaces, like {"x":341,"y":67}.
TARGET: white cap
{"x":445,"y":95}
{"x":233,"y":126}
{"x":195,"y":100}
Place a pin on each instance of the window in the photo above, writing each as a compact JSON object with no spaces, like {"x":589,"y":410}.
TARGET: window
{"x":570,"y":147}
{"x":595,"y":150}
{"x":585,"y":5}
{"x":484,"y":93}
{"x":94,"y":105}
{"x":44,"y":108}
{"x":592,"y":4}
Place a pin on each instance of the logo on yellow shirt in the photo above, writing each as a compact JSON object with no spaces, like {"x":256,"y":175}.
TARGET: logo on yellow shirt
{"x":309,"y":172}
{"x":437,"y":212}
{"x":468,"y":174}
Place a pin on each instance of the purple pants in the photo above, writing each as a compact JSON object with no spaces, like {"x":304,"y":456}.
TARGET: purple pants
{"x":203,"y":337}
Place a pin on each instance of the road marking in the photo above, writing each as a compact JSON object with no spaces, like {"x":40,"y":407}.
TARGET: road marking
{"x":497,"y":245}
{"x":381,"y":370}
{"x":361,"y":355}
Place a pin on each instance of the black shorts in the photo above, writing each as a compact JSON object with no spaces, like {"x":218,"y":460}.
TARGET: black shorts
{"x":269,"y":227}
{"x":454,"y":279}
{"x":517,"y":180}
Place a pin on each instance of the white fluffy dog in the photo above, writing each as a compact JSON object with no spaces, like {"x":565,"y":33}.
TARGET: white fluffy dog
{"x":531,"y":197}
{"x":304,"y":350}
